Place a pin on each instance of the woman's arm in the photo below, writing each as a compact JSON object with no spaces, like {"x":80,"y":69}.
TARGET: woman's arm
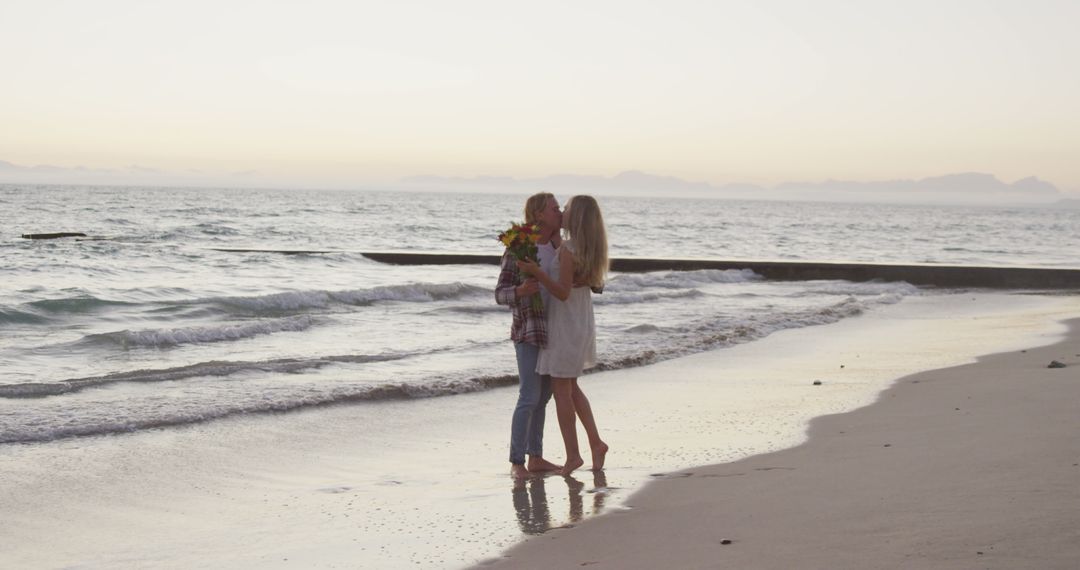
{"x":561,"y":288}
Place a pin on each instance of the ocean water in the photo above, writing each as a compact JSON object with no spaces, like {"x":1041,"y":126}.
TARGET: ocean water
{"x":155,"y":326}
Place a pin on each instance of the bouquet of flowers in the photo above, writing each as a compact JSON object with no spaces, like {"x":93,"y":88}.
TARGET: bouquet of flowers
{"x":521,"y":240}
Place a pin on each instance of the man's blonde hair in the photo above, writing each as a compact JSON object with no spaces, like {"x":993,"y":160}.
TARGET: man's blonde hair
{"x":535,"y":205}
{"x":584,"y":224}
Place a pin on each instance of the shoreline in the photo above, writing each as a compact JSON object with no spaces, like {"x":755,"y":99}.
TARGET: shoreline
{"x":976,"y":465}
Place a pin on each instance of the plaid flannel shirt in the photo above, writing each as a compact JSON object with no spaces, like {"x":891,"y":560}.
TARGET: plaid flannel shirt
{"x":529,"y":324}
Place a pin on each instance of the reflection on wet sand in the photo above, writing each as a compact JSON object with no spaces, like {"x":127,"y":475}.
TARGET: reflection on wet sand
{"x":534,"y":512}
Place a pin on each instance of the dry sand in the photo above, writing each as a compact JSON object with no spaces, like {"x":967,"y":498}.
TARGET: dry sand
{"x":975,"y":466}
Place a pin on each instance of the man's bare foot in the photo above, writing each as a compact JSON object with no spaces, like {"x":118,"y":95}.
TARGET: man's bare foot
{"x":518,"y":471}
{"x":571,"y":464}
{"x":538,"y":464}
{"x":598,"y":454}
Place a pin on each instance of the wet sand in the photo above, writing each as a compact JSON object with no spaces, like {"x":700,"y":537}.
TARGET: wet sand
{"x":425,"y":483}
{"x":974,"y":466}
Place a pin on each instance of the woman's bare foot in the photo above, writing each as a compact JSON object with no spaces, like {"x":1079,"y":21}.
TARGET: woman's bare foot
{"x":518,"y":471}
{"x":598,"y":454}
{"x":539,"y":464}
{"x":571,"y":464}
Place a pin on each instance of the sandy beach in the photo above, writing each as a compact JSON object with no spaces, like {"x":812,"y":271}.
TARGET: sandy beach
{"x":974,"y":466}
{"x":425,"y":483}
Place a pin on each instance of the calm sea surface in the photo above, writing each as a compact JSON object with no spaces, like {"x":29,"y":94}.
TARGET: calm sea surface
{"x":154,"y":326}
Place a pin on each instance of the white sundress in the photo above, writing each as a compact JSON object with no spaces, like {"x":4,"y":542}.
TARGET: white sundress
{"x":571,"y":342}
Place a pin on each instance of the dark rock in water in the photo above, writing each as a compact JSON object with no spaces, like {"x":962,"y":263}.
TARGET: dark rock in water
{"x":1056,"y":364}
{"x":817,"y":382}
{"x":53,"y":236}
{"x":888,"y":445}
{"x":725,"y":541}
{"x":841,"y":366}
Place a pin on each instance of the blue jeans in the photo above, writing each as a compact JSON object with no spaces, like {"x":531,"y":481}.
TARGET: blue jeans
{"x":534,"y":392}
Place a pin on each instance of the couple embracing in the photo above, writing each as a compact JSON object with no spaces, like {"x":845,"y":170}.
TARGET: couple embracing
{"x":555,"y":343}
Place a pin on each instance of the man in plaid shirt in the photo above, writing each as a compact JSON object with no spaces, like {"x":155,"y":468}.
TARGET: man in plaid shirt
{"x":529,"y":333}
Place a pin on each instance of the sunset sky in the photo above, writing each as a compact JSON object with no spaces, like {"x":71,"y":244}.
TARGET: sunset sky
{"x":340,"y":93}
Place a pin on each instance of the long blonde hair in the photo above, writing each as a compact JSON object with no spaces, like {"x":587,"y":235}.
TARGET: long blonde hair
{"x":535,"y":205}
{"x":584,"y":224}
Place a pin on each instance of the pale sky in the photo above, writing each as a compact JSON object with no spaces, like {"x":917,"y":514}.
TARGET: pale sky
{"x":721,"y":92}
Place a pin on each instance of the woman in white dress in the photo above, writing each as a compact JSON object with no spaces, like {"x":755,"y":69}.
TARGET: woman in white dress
{"x":581,"y":265}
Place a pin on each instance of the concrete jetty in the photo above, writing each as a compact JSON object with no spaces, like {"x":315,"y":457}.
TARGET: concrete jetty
{"x":54,"y":235}
{"x":1001,"y":277}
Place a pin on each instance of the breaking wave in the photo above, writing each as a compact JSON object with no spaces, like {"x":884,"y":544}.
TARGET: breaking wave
{"x":162,"y":338}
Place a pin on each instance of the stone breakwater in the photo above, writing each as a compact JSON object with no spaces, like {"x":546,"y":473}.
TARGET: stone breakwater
{"x":916,"y":274}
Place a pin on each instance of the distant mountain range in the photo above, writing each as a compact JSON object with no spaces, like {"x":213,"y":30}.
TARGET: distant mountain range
{"x":133,"y":175}
{"x":951,"y":188}
{"x":629,"y":182}
{"x":962,"y":188}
